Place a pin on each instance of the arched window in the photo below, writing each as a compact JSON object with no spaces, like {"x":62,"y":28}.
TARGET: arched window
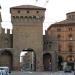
{"x":70,"y":36}
{"x":70,"y":58}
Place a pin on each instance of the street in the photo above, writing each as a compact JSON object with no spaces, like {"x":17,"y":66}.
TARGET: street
{"x":41,"y":73}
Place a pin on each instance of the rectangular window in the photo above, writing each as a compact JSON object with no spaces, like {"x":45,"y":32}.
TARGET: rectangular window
{"x":70,"y":29}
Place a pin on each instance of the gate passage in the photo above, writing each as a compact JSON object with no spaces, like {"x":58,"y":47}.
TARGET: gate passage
{"x":28,"y":60}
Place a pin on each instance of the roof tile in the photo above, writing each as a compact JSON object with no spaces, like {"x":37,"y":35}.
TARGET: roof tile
{"x":28,"y":7}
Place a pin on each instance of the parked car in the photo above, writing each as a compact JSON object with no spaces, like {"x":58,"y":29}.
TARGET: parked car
{"x":68,"y":69}
{"x":4,"y":71}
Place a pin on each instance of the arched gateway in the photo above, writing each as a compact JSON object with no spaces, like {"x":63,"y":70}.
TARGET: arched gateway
{"x":47,"y":62}
{"x":6,"y":58}
{"x":28,"y":60}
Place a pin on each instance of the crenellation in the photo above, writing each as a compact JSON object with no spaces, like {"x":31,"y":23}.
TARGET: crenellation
{"x":27,"y":18}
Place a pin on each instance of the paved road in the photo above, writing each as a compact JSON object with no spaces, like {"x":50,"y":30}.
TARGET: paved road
{"x":41,"y":73}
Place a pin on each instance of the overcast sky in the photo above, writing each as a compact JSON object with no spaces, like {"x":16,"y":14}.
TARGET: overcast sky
{"x":56,"y":10}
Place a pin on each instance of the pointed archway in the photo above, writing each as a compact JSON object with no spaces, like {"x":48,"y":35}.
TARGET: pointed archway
{"x":6,"y":59}
{"x":47,"y":62}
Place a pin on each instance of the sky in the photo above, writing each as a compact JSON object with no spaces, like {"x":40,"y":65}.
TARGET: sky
{"x":55,"y":10}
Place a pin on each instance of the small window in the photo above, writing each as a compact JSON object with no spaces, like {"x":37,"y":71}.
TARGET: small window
{"x":13,"y":17}
{"x":18,"y":11}
{"x":27,"y":11}
{"x":70,"y":36}
{"x":58,"y":36}
{"x":37,"y":11}
{"x":70,"y":29}
{"x":21,"y":16}
{"x":26,"y":17}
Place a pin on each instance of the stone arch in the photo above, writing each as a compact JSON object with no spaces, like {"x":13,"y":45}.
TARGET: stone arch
{"x":60,"y":61}
{"x":28,"y":60}
{"x":70,"y":58}
{"x":70,"y":61}
{"x":6,"y":59}
{"x":47,"y":62}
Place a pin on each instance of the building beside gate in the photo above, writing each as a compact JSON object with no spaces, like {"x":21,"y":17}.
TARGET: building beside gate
{"x":60,"y":40}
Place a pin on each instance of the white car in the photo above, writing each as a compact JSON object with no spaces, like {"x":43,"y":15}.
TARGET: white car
{"x":4,"y":71}
{"x":68,"y":69}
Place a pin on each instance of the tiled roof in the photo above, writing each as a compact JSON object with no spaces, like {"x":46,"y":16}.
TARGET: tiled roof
{"x":28,"y":7}
{"x":65,"y":22}
{"x":71,"y":12}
